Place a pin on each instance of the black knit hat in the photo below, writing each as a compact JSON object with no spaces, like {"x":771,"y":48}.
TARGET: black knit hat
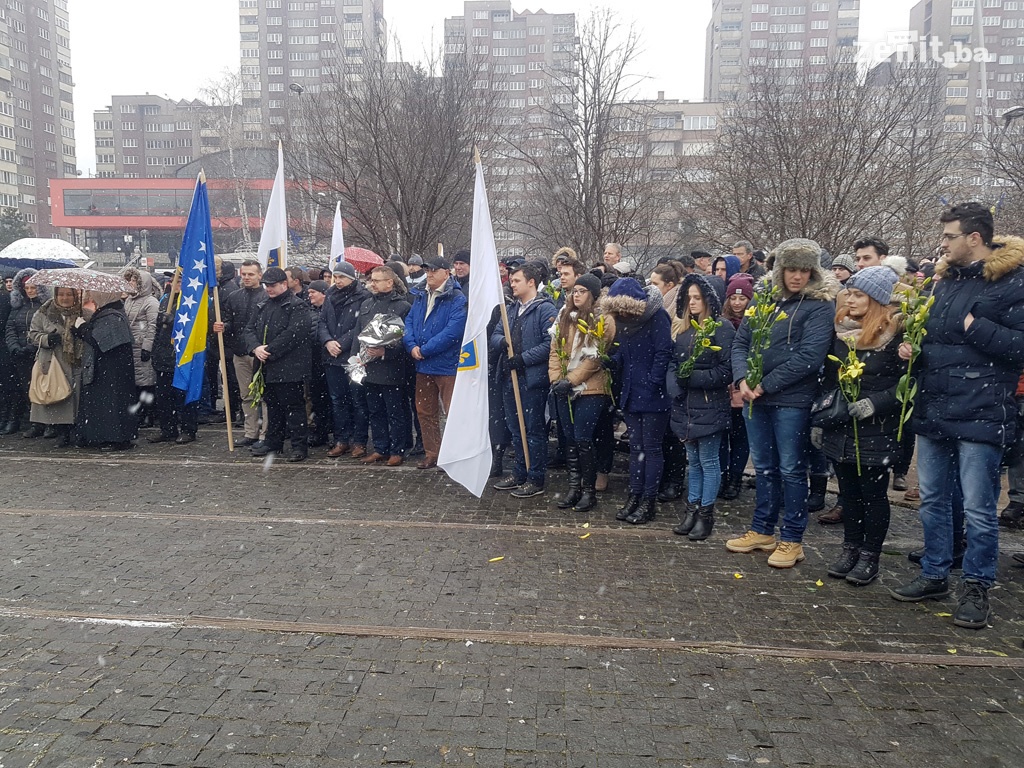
{"x":592,"y":283}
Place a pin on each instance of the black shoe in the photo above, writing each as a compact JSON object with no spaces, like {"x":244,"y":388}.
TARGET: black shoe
{"x":185,"y":438}
{"x":507,"y":483}
{"x":847,"y":560}
{"x":527,"y":490}
{"x":1012,"y":516}
{"x":295,"y":458}
{"x":10,"y":427}
{"x":262,"y":449}
{"x":917,"y":555}
{"x":972,"y":611}
{"x":36,"y":430}
{"x":259,"y":445}
{"x":570,"y":499}
{"x":632,"y":502}
{"x":63,"y":436}
{"x":161,"y":438}
{"x":816,"y":497}
{"x":921,"y":589}
{"x":316,"y":441}
{"x":687,"y":520}
{"x":704,"y":525}
{"x":586,"y":502}
{"x":245,"y":442}
{"x":669,"y":492}
{"x":497,"y":457}
{"x":645,"y":512}
{"x":730,"y":490}
{"x":865,"y":571}
{"x":49,"y":432}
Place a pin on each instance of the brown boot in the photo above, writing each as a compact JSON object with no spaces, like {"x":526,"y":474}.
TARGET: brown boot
{"x":374,"y":457}
{"x":395,"y":461}
{"x":358,"y":451}
{"x":339,"y":449}
{"x":831,"y":516}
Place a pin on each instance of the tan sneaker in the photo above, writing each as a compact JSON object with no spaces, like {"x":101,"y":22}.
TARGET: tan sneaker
{"x":750,"y":541}
{"x":786,"y":555}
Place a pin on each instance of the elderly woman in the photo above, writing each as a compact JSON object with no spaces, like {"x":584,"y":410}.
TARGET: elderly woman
{"x":25,"y":302}
{"x":51,"y":333}
{"x":141,"y":308}
{"x":106,"y":409}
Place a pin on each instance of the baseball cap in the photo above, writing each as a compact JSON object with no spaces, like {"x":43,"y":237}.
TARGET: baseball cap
{"x":274,"y":275}
{"x":437,"y":263}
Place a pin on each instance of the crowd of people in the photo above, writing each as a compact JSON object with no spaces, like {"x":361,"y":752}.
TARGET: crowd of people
{"x":794,"y":361}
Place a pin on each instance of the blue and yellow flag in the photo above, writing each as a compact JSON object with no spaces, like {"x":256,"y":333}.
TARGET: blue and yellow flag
{"x":198,"y":279}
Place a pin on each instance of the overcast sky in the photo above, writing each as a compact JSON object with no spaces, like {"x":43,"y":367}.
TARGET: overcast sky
{"x":173,"y":49}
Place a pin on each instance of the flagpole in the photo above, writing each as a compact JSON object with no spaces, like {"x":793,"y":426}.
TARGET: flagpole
{"x":223,"y":369}
{"x":511,"y":354}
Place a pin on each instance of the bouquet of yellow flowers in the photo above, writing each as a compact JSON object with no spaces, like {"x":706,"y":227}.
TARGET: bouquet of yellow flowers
{"x":850,"y":371}
{"x":593,"y":336}
{"x":702,"y":342}
{"x":916,"y":308}
{"x":761,"y":315}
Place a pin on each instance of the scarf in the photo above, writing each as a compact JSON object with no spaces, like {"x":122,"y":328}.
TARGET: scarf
{"x":64,"y":318}
{"x":848,"y":328}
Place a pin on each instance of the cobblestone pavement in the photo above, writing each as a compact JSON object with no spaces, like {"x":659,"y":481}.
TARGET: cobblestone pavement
{"x":217,"y":611}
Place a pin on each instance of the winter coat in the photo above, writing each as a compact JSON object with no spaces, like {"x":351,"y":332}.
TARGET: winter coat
{"x":967,"y":379}
{"x":164,"y":356}
{"x":236,"y":312}
{"x":7,"y":376}
{"x":529,"y":333}
{"x":438,"y":336}
{"x":282,"y":323}
{"x":877,"y":435}
{"x":105,"y":407}
{"x":797,"y":345}
{"x":700,"y":403}
{"x":339,"y":320}
{"x":587,"y":373}
{"x":18,"y":322}
{"x":392,"y":369}
{"x":643,"y":351}
{"x":141,"y":311}
{"x":38,"y":335}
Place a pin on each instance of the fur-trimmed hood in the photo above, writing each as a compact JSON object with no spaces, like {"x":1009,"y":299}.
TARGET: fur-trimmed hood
{"x":800,"y":253}
{"x":1007,"y":256}
{"x":18,"y":297}
{"x":626,"y":309}
{"x":711,"y":287}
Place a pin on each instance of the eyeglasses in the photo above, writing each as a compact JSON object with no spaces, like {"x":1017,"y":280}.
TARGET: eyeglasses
{"x":380,"y":279}
{"x":949,"y":238}
{"x":580,"y":291}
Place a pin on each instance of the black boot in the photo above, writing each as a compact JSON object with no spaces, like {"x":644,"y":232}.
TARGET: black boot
{"x":497,"y":455}
{"x":816,"y":498}
{"x":572,"y":463}
{"x":632,"y":502}
{"x":731,"y":490}
{"x":846,"y":562}
{"x":588,"y":478}
{"x":670,"y":492}
{"x":687,"y":520}
{"x":63,"y":436}
{"x":645,"y":512}
{"x":865,"y":571}
{"x":13,"y":426}
{"x":705,"y":523}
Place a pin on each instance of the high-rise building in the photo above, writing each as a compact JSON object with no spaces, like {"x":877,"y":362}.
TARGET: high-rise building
{"x":37,"y":91}
{"x":744,"y":35}
{"x":292,"y":48}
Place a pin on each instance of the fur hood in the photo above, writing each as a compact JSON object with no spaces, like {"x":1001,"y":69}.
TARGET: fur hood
{"x":711,"y":287}
{"x":1007,"y":256}
{"x":801,"y":253}
{"x":627,"y":309}
{"x":18,"y":298}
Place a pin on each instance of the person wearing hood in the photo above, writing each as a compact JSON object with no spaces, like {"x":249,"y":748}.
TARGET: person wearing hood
{"x":26,"y":300}
{"x":724,"y":267}
{"x":735,"y":448}
{"x":141,"y":308}
{"x":780,"y":405}
{"x":51,"y":333}
{"x":339,"y":325}
{"x":700,"y":398}
{"x":530,"y":318}
{"x":278,"y":337}
{"x":417,"y":275}
{"x":178,"y":421}
{"x":642,"y":355}
{"x":227,"y":278}
{"x":386,"y":373}
{"x":107,"y":407}
{"x":965,"y":413}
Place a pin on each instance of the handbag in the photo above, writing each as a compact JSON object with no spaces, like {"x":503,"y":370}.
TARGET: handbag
{"x":50,"y":387}
{"x":829,"y":410}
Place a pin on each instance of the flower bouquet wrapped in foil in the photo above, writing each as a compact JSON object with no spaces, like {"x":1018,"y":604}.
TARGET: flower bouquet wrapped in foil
{"x":381,"y":332}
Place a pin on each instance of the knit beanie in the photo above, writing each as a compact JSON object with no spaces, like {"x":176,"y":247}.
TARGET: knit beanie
{"x":627,"y":286}
{"x":741,"y":283}
{"x":845,"y":261}
{"x":876,"y":282}
{"x":318,"y":285}
{"x":592,"y":283}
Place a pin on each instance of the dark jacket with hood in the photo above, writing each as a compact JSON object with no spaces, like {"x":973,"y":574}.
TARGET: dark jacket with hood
{"x":237,"y":311}
{"x":283,"y":322}
{"x":529,"y":332}
{"x":700,"y":402}
{"x":20,"y":319}
{"x":439,"y":335}
{"x":392,"y":369}
{"x":967,"y":378}
{"x":643,"y":350}
{"x":339,"y":319}
{"x":799,"y":343}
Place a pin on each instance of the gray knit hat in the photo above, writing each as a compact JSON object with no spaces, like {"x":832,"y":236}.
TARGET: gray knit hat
{"x":876,"y":282}
{"x":845,"y":261}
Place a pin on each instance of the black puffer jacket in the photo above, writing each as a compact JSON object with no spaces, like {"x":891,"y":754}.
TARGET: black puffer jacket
{"x":392,"y":369}
{"x":339,"y":319}
{"x":20,"y":319}
{"x":700,"y":403}
{"x":237,"y":311}
{"x":282,"y":323}
{"x":164,"y":357}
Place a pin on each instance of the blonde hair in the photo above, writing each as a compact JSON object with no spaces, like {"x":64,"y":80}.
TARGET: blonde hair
{"x":681,"y":323}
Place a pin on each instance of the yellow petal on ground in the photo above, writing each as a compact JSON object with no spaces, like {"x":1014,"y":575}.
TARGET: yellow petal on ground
{"x":994,"y":653}
{"x":586,"y":525}
{"x":496,"y":559}
{"x":951,"y":650}
{"x":737,"y":575}
{"x":943,"y":615}
{"x":585,"y":536}
{"x":819,"y":583}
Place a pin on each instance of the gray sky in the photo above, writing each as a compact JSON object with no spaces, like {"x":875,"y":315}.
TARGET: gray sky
{"x":135,"y":46}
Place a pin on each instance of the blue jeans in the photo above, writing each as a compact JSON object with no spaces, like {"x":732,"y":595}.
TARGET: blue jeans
{"x":646,"y":456}
{"x":939,"y":463}
{"x":533,"y":399}
{"x":388,"y":408}
{"x":586,"y":410}
{"x":705,"y":469}
{"x":778,"y":443}
{"x":348,"y":407}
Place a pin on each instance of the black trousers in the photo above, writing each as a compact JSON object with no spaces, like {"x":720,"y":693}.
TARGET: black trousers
{"x":286,"y":413}
{"x":865,"y":505}
{"x":171,"y":412}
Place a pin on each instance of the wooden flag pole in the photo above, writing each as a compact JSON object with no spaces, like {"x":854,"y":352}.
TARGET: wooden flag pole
{"x":223,"y":370}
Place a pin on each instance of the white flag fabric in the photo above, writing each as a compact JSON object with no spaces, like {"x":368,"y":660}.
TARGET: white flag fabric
{"x":273,"y":249}
{"x":466,"y":446}
{"x":337,"y":240}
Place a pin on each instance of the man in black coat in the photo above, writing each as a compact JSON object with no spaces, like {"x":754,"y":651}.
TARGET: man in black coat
{"x":278,"y":337}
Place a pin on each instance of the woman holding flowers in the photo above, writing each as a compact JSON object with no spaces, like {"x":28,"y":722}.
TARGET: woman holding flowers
{"x":698,"y":382}
{"x":580,"y":344}
{"x":866,"y":367}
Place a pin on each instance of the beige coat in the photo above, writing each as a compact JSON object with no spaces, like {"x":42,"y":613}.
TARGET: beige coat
{"x":63,"y":412}
{"x":585,"y":369}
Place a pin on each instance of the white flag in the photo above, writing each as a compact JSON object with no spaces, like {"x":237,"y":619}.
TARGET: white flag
{"x":337,"y":240}
{"x":466,"y":446}
{"x":273,"y":249}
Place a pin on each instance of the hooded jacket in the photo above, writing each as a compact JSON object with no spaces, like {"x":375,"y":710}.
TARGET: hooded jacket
{"x":141,"y":311}
{"x":529,"y":338}
{"x":643,"y":352}
{"x":390,"y":370}
{"x":799,"y":343}
{"x":439,"y":335}
{"x":282,"y":323}
{"x":339,"y":320}
{"x":20,"y":319}
{"x":967,"y":378}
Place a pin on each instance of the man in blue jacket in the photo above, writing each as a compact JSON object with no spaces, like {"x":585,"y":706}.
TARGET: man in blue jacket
{"x":530,"y":317}
{"x":433,"y":337}
{"x":965,"y":414}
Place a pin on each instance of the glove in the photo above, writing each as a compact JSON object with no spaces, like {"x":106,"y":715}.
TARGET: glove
{"x":862,"y":409}
{"x":561,"y":388}
{"x":145,"y":355}
{"x":516,"y":363}
{"x":52,"y":339}
{"x":503,"y":346}
{"x":817,"y":437}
